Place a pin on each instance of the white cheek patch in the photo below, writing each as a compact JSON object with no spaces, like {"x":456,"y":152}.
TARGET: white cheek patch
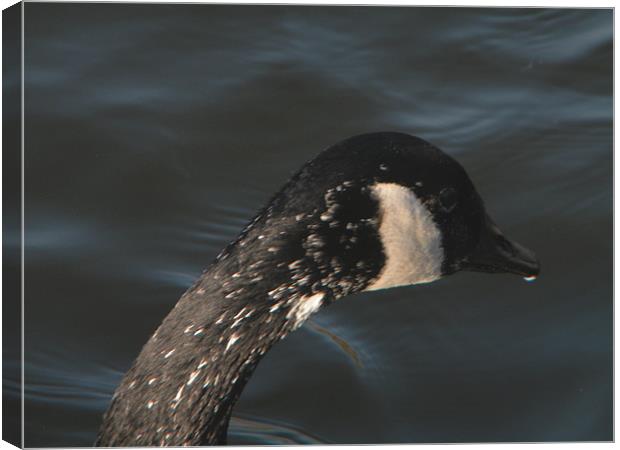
{"x":411,"y":239}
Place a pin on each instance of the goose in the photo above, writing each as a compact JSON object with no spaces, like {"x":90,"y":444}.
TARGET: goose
{"x":372,"y":212}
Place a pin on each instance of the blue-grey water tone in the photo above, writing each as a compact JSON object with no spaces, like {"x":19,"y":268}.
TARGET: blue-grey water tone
{"x":155,"y":132}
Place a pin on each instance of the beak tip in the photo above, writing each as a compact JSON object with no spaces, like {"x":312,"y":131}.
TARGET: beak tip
{"x":531,"y":263}
{"x":532,"y":275}
{"x":507,"y":257}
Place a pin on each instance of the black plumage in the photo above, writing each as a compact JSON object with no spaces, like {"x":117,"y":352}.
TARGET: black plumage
{"x":317,"y":240}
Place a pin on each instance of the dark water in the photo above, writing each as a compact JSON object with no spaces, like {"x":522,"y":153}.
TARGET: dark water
{"x":153,"y":134}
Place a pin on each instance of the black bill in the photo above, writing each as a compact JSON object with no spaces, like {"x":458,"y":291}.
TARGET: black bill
{"x":497,"y":254}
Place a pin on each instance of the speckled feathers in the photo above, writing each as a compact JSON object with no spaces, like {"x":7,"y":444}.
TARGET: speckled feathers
{"x":317,"y":240}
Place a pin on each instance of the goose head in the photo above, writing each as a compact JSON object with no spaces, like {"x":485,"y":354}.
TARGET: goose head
{"x":377,"y":211}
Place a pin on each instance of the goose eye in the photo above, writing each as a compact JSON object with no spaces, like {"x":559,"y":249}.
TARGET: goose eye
{"x":448,"y":199}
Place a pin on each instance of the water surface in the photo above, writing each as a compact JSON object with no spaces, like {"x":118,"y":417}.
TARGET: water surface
{"x":155,"y":132}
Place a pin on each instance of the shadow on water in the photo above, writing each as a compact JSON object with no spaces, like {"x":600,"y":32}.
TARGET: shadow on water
{"x":155,"y":132}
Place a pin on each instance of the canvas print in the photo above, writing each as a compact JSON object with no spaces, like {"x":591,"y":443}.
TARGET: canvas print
{"x":283,"y":225}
